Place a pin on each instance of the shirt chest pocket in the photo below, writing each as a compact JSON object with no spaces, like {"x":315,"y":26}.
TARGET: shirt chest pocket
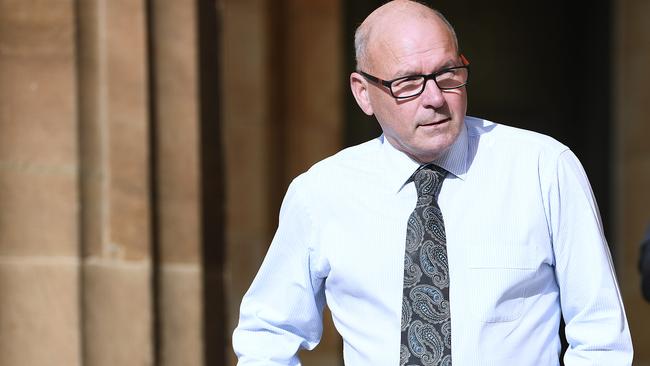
{"x":498,"y":278}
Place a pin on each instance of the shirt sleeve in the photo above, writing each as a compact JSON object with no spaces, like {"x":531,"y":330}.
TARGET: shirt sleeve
{"x":282,"y":310}
{"x":596,"y":325}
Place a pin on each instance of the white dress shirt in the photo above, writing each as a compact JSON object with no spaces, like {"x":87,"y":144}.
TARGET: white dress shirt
{"x":525,"y":247}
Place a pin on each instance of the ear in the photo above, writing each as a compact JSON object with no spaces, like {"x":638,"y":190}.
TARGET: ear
{"x":359,"y":86}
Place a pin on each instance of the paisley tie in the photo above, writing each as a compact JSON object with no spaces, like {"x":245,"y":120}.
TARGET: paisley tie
{"x":426,"y":320}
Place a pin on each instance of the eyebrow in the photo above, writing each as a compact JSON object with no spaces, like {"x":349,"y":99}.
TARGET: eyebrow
{"x":407,"y":72}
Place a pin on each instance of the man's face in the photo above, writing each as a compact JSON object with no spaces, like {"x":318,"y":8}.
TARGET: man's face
{"x":425,"y":126}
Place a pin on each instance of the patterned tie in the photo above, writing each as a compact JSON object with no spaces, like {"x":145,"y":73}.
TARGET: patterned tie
{"x":426,"y":320}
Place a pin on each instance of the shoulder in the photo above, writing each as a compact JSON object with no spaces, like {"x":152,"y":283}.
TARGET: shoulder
{"x":342,"y":168}
{"x":511,"y":141}
{"x":514,"y":152}
{"x":358,"y":158}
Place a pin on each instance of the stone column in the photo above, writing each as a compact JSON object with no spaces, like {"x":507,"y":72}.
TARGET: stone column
{"x":314,"y":87}
{"x":115,"y":184}
{"x":632,"y":159}
{"x":108,"y":137}
{"x":282,"y":93}
{"x":176,"y":165}
{"x":249,"y":158}
{"x":314,"y":82}
{"x":39,"y":242}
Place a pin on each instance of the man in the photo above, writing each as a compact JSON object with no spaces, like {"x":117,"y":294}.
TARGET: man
{"x":503,"y":241}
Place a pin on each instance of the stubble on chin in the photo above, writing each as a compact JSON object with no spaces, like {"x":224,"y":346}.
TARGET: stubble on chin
{"x":431,"y":147}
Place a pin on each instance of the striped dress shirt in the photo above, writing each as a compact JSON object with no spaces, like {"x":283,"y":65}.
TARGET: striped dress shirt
{"x":525,"y":247}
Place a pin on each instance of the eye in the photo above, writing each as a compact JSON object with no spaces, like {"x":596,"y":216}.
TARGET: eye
{"x":407,"y":86}
{"x":408,"y":81}
{"x":451,"y":78}
{"x":446,"y":74}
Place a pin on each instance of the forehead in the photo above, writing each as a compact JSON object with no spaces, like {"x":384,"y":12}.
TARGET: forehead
{"x":402,"y":44}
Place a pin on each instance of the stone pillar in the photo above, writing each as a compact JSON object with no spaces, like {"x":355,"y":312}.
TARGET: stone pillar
{"x":115,"y":184}
{"x":632,"y":159}
{"x":39,"y":242}
{"x":314,"y":82}
{"x":247,"y":131}
{"x":314,"y":87}
{"x":282,"y":93}
{"x":108,"y":137}
{"x":177,"y":201}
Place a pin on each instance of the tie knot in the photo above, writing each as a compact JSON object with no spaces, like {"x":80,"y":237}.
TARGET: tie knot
{"x":428,"y":180}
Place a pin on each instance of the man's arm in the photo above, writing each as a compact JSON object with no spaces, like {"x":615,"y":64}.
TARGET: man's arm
{"x":282,"y":310}
{"x":596,"y":326}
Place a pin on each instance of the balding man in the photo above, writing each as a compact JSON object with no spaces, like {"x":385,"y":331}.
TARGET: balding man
{"x":448,"y":240}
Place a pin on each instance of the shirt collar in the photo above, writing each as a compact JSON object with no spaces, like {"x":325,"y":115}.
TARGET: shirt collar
{"x":400,"y":166}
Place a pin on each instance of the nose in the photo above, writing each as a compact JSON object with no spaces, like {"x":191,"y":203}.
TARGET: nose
{"x":432,"y":96}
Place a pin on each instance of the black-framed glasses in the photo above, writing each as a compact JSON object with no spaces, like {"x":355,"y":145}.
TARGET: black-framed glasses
{"x":413,"y":85}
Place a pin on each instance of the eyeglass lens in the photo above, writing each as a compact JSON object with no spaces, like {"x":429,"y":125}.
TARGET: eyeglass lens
{"x":414,"y":85}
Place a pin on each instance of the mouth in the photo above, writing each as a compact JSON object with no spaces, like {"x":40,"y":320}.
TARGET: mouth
{"x":435,"y":123}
